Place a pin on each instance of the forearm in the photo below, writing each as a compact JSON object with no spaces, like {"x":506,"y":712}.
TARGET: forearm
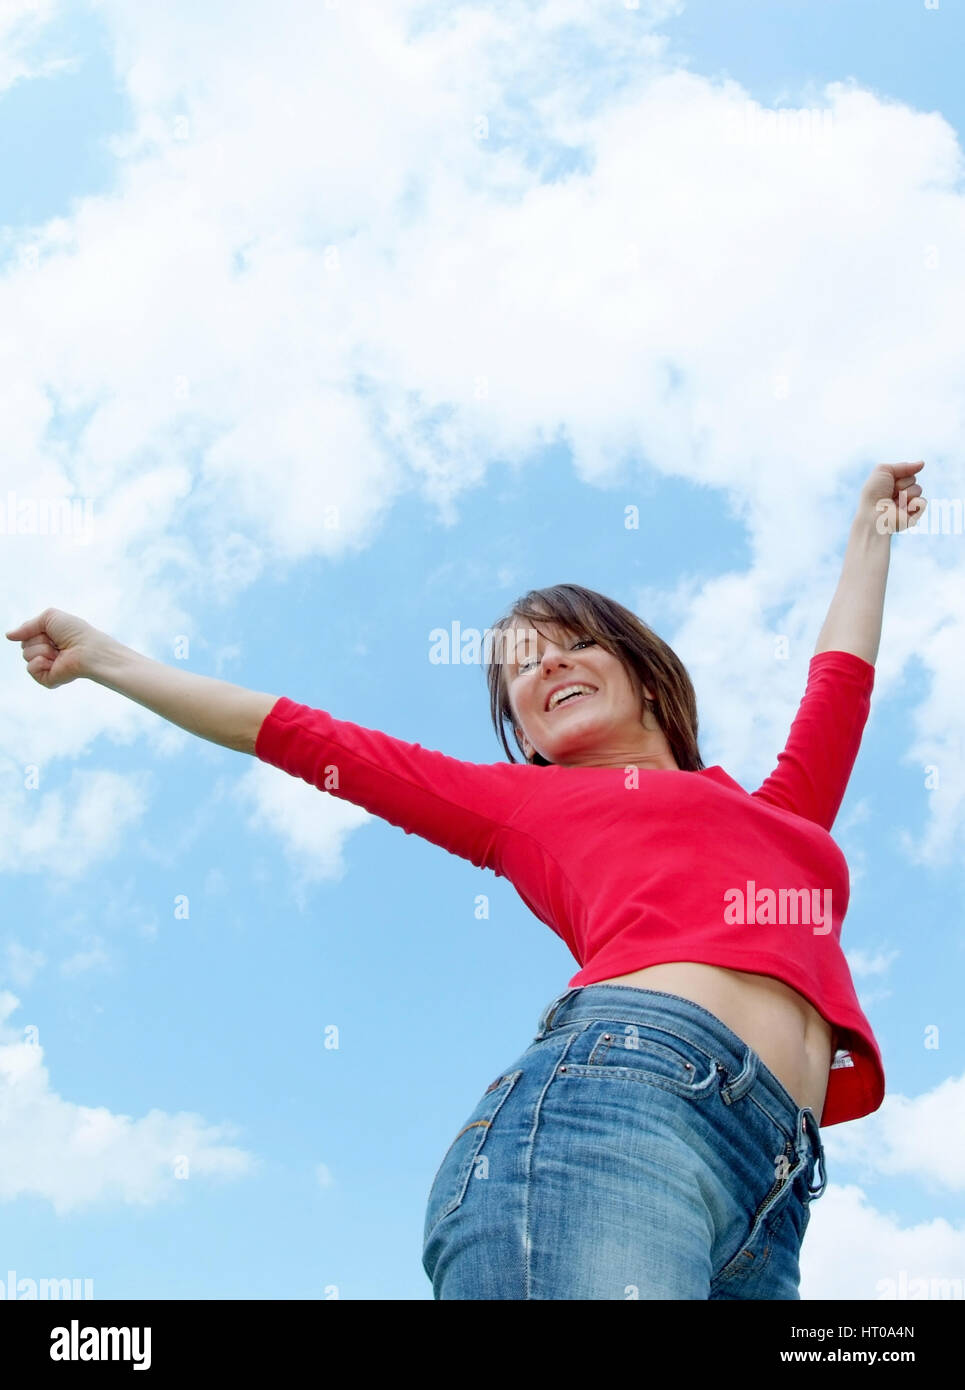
{"x":216,"y":710}
{"x":853,"y":623}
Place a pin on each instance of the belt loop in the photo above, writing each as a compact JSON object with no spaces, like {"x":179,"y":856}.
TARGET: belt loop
{"x":819,"y":1190}
{"x":812,"y":1129}
{"x":546,"y":1022}
{"x":741,"y":1084}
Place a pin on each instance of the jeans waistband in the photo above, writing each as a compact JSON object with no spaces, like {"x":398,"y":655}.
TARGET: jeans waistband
{"x":742,"y":1063}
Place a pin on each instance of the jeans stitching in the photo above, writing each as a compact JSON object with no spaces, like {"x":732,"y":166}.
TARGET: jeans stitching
{"x":739,"y":1046}
{"x":687,"y":1090}
{"x":680,"y":1089}
{"x":507,"y":1083}
{"x":778,"y":1124}
{"x":762,"y":1215}
{"x":528,"y":1164}
{"x":764,"y":1099}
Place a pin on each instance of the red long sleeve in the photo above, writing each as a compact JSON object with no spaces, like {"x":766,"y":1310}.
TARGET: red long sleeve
{"x":812,"y":772}
{"x":460,"y":806}
{"x":631,"y":874}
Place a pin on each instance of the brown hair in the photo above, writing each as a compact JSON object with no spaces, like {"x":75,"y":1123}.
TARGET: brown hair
{"x":645,"y":656}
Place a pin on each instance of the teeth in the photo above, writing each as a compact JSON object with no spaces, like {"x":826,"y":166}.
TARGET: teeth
{"x":561,"y":695}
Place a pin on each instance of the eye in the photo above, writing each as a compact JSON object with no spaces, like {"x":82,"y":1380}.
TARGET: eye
{"x":582,"y":642}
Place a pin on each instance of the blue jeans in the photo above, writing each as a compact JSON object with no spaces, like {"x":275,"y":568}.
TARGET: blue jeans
{"x":637,"y":1149}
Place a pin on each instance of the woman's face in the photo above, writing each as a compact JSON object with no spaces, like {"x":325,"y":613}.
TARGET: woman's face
{"x":606,"y":727}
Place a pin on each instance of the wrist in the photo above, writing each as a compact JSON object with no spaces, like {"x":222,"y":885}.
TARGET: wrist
{"x":875,"y":519}
{"x":104,"y":657}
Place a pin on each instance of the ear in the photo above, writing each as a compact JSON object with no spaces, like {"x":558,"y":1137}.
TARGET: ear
{"x":528,"y":748}
{"x":648,"y":711}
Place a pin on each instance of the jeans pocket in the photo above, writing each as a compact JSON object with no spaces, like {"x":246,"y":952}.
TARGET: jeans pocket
{"x":646,"y":1053}
{"x":464,"y":1158}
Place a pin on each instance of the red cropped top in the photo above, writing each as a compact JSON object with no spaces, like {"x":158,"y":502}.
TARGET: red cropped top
{"x":634,"y":868}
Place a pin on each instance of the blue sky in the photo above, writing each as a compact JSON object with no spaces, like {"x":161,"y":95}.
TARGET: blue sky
{"x":232,"y":298}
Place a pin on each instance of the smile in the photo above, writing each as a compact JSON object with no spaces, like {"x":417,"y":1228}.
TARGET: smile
{"x":572,"y":699}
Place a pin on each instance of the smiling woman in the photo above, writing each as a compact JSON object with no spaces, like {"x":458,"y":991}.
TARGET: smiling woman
{"x":648,"y":713}
{"x":639,"y":704}
{"x":672,"y":1092}
{"x":660,"y":1136}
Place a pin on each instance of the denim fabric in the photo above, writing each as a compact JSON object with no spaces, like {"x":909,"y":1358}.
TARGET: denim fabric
{"x":638,"y":1148}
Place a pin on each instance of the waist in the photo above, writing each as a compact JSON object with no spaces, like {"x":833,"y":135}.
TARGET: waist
{"x":633,"y":1004}
{"x":788,"y":1033}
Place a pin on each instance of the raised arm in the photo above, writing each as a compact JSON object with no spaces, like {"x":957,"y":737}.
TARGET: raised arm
{"x":813,"y":771}
{"x":59,"y":647}
{"x":890,"y":501}
{"x":462,"y":806}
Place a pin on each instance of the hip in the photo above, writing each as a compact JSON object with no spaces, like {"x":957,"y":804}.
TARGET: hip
{"x":636,"y":1144}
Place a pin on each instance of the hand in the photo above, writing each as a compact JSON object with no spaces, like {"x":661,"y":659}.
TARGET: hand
{"x":57,"y":647}
{"x":893,"y":497}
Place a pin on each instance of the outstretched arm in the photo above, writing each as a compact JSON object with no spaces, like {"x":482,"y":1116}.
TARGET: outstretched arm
{"x":464,"y":807}
{"x":890,"y":500}
{"x":59,"y":647}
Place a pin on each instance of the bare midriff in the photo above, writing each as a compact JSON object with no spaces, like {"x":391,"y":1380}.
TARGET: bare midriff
{"x":791,"y":1038}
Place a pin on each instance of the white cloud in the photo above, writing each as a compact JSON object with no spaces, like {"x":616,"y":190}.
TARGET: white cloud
{"x":859,"y":814}
{"x":20,"y":964}
{"x":762,"y":318}
{"x":64,"y":832}
{"x":922,"y":1137}
{"x":313,"y":825}
{"x":863,"y":963}
{"x":612,"y":259}
{"x":853,"y":1251}
{"x":21,"y":22}
{"x":76,"y":1155}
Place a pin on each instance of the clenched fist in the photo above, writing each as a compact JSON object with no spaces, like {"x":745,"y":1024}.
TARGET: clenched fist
{"x":57,"y":646}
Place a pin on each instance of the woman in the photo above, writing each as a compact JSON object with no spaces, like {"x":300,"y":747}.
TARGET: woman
{"x":659,"y":1138}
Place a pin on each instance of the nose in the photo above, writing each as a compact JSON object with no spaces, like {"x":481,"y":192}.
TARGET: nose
{"x":553,"y":657}
{"x":550,"y":663}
